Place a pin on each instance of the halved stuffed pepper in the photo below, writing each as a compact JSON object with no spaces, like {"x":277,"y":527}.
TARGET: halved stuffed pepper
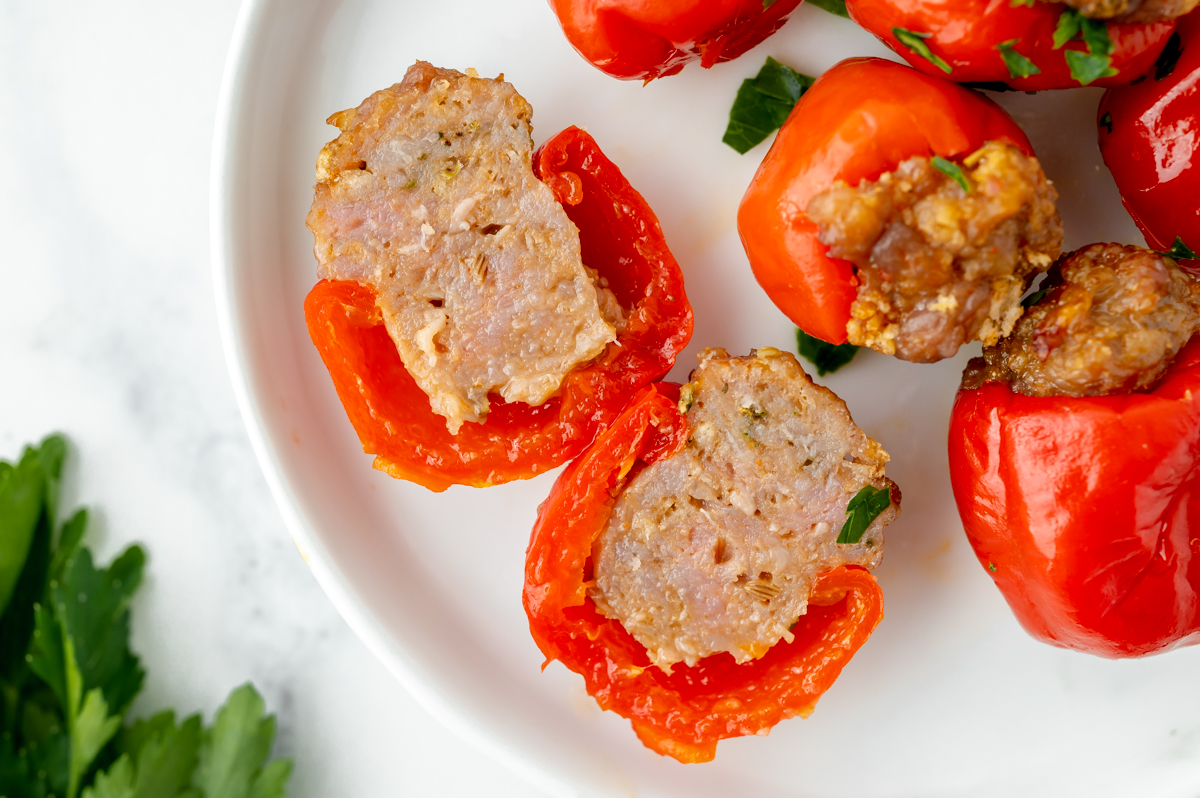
{"x":484,"y":309}
{"x":704,"y":565}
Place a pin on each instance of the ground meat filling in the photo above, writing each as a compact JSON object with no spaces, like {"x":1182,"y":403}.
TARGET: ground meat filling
{"x":716,"y":548}
{"x":1133,"y":10}
{"x":428,"y":195}
{"x":938,"y":265}
{"x":1111,"y":320}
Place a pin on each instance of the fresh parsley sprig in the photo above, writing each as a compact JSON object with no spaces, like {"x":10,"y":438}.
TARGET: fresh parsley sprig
{"x":1180,"y":251}
{"x":68,"y":676}
{"x":915,"y":42}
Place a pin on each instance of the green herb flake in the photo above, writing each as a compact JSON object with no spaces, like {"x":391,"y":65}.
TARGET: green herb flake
{"x":916,"y":42}
{"x":1180,"y":251}
{"x":1033,"y":298}
{"x":687,"y":397}
{"x":1087,"y":68}
{"x":837,"y":7}
{"x":827,"y":357}
{"x":1106,"y":122}
{"x":1168,"y":58}
{"x":864,"y":508}
{"x":754,"y":412}
{"x":768,"y":3}
{"x":1019,"y":3}
{"x":410,"y":184}
{"x":953,"y":171}
{"x":763,"y":103}
{"x":992,"y":567}
{"x":1070,"y":25}
{"x":1018,"y":65}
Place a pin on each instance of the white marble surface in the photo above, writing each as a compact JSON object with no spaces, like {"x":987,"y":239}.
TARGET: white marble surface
{"x":108,"y":333}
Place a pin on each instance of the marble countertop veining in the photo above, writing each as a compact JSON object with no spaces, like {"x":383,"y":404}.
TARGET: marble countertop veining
{"x":108,"y":333}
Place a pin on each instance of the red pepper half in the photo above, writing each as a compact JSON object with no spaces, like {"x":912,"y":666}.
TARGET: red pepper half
{"x":983,"y":41}
{"x":683,"y":714}
{"x":640,"y":40}
{"x":1150,"y":139}
{"x":1085,"y":511}
{"x":621,"y":240}
{"x":860,"y":119}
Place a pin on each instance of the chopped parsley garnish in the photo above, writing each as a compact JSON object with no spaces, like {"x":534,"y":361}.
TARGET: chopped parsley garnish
{"x":1180,"y":251}
{"x":916,"y":42}
{"x":832,"y":6}
{"x":1168,"y":58}
{"x":953,"y":171}
{"x":68,"y":676}
{"x":763,"y":103}
{"x":754,"y":412}
{"x":768,"y":3}
{"x":1019,"y":3}
{"x":410,"y":184}
{"x":687,"y":397}
{"x":1018,"y":65}
{"x":1106,"y":121}
{"x":864,"y":508}
{"x":827,"y":357}
{"x":1096,"y":63}
{"x":992,"y":567}
{"x":1034,"y":298}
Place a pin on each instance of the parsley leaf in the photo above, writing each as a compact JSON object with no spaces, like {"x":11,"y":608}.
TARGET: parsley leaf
{"x":953,"y":171}
{"x":23,"y":493}
{"x":763,"y":103}
{"x":1034,"y":298}
{"x":864,"y":508}
{"x":1180,"y":251}
{"x":1168,"y":58}
{"x":1086,"y":67}
{"x":1070,"y":24}
{"x":837,"y":7}
{"x":1018,"y":65}
{"x":768,"y":3}
{"x":1095,"y":36}
{"x":157,"y":760}
{"x":916,"y":42}
{"x":233,"y":753}
{"x":827,"y":357}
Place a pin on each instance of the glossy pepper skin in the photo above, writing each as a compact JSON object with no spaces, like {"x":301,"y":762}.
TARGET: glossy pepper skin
{"x":684,"y":714}
{"x":1085,"y":511}
{"x":647,"y":39}
{"x":1150,"y":139}
{"x":966,"y":35}
{"x":621,"y":239}
{"x":860,"y":119}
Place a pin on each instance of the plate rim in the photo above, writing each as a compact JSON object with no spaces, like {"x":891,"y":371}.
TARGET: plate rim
{"x":252,"y":18}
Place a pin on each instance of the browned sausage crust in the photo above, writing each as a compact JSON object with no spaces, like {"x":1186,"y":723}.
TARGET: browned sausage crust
{"x":1111,"y":321}
{"x":939,"y":266}
{"x":428,"y":195}
{"x":716,"y":548}
{"x":1133,"y":10}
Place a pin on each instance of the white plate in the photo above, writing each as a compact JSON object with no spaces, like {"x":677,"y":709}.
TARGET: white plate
{"x":948,"y":698}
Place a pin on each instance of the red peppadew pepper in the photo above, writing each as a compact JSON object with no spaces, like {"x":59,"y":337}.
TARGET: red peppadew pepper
{"x":1085,"y":511}
{"x":640,"y":40}
{"x":860,"y":119}
{"x":685,"y":713}
{"x":1019,"y":44}
{"x":620,"y":239}
{"x":1150,"y":139}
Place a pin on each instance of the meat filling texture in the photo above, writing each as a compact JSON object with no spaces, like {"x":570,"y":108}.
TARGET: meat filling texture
{"x":1133,"y":10}
{"x":938,"y":264}
{"x":1111,"y":320}
{"x":716,"y":548}
{"x":429,"y":196}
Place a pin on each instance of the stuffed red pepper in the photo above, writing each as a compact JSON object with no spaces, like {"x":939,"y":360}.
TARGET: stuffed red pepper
{"x":900,"y":212}
{"x":1030,"y":46}
{"x":484,"y":309}
{"x":1150,"y":139}
{"x":637,"y":40}
{"x":1075,"y":456}
{"x":704,"y":564}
